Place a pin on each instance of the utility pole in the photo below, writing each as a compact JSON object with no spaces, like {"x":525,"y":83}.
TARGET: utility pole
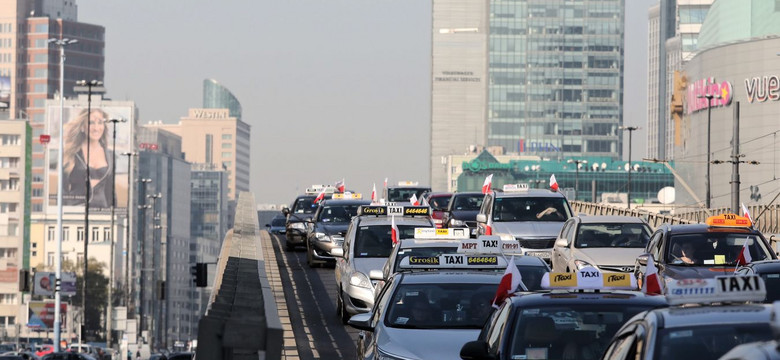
{"x":735,"y":162}
{"x":709,"y":153}
{"x":630,"y":130}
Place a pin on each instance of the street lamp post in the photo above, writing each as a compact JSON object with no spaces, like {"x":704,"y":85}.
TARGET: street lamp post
{"x":61,"y":43}
{"x":142,"y":248}
{"x":709,"y":98}
{"x":630,"y":130}
{"x":155,"y":324}
{"x":576,"y":174}
{"x":111,"y":244}
{"x":127,"y":229}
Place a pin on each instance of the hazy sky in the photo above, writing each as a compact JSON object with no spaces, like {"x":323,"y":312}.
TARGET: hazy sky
{"x":332,"y":89}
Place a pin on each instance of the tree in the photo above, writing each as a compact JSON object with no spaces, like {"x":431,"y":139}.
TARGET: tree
{"x":97,"y":295}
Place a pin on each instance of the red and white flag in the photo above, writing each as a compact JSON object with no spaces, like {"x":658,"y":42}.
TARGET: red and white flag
{"x":652,"y":283}
{"x":385,"y":183}
{"x":509,"y":283}
{"x":414,"y":200}
{"x":373,"y":195}
{"x":320,"y":197}
{"x":489,"y":226}
{"x":746,"y":213}
{"x":393,"y":230}
{"x":424,"y":201}
{"x":744,"y":255}
{"x":553,"y":183}
{"x":340,"y":186}
{"x":486,"y":185}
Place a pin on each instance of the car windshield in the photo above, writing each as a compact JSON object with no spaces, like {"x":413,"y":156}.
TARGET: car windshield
{"x":708,"y":341}
{"x":467,"y":202}
{"x":338,"y":213}
{"x":772,"y":285}
{"x":530,"y":209}
{"x":440,"y":202}
{"x":612,"y":235}
{"x":440,"y":306}
{"x":376,"y":240}
{"x":713,"y":248}
{"x":305,"y":206}
{"x":571,"y":332}
{"x":404,"y":194}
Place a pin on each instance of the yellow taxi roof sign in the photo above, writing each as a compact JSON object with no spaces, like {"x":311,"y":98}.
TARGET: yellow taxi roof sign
{"x":729,"y":220}
{"x":589,"y":278}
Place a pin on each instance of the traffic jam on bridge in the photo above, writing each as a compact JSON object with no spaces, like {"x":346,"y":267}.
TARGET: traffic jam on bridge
{"x":514,"y":273}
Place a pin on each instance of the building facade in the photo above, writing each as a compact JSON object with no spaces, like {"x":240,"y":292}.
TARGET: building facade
{"x":217,"y":96}
{"x":458,"y":80}
{"x":212,"y":136}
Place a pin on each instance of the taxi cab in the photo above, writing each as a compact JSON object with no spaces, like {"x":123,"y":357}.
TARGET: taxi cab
{"x":404,"y":190}
{"x":430,"y":307}
{"x":575,"y":319}
{"x":760,"y":350}
{"x":769,"y":271}
{"x":702,"y":250}
{"x":706,"y":318}
{"x":329,"y":225}
{"x":367,"y":245}
{"x":299,"y":213}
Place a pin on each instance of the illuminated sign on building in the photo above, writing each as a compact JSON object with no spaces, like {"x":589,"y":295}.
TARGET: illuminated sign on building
{"x":698,"y":90}
{"x":760,"y":89}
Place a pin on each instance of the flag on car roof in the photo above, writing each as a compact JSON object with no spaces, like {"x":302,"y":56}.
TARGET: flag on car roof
{"x":652,"y":283}
{"x":340,"y":186}
{"x":424,"y":201}
{"x":553,"y":183}
{"x":393,"y":230}
{"x":320,"y":196}
{"x":486,"y":185}
{"x":385,"y":183}
{"x":373,"y":195}
{"x":414,"y":200}
{"x":509,"y":283}
{"x":746,"y":213}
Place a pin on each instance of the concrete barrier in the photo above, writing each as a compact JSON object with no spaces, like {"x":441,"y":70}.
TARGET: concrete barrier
{"x":242,"y":320}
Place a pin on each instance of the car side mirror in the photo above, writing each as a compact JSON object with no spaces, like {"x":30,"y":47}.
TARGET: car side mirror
{"x":475,"y":350}
{"x":562,"y":242}
{"x":376,"y":275}
{"x":481,"y":218}
{"x":337,"y":252}
{"x":361,"y":322}
{"x":285,"y":211}
{"x":642,"y":259}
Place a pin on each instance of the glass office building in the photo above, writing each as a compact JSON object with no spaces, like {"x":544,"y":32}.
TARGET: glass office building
{"x":556,"y":77}
{"x":216,"y":96}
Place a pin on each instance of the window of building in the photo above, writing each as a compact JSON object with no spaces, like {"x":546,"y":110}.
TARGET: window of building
{"x":227,"y":154}
{"x":37,"y":207}
{"x":50,"y":259}
{"x":95,"y":234}
{"x":106,"y":234}
{"x":65,"y":233}
{"x":80,"y":233}
{"x":7,"y":299}
{"x":40,"y":58}
{"x":209,"y":140}
{"x":693,"y":14}
{"x":34,"y":245}
{"x":35,"y":192}
{"x":40,"y":88}
{"x":227,"y":136}
{"x":41,"y":28}
{"x":9,"y":162}
{"x":50,"y":233}
{"x":9,"y":140}
{"x":6,"y":208}
{"x":34,"y":253}
{"x":41,"y":73}
{"x":227,"y":145}
{"x":13,"y":229}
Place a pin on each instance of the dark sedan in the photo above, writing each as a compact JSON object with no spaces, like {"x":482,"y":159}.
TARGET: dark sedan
{"x":462,"y":211}
{"x":769,"y":271}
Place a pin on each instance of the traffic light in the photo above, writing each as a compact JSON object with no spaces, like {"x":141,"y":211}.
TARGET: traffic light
{"x":200,"y":274}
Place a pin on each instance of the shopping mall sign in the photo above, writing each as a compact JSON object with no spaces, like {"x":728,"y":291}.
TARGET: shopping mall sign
{"x":760,"y":89}
{"x":479,"y":165}
{"x":698,"y":90}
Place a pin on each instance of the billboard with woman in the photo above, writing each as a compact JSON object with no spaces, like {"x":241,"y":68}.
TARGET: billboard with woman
{"x":89,"y":148}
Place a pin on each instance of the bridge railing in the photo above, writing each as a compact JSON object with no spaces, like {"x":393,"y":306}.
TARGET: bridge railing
{"x":653,"y":219}
{"x":242,"y":320}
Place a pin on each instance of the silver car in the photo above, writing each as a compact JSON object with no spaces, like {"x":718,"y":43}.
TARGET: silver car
{"x":609,"y":243}
{"x":366,"y":247}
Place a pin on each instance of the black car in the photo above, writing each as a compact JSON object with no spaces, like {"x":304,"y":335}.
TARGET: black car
{"x":277,"y":225}
{"x":302,"y":209}
{"x":403,"y":192}
{"x":700,"y":251}
{"x":462,"y":211}
{"x":769,"y":271}
{"x":557,"y":325}
{"x":327,"y":229}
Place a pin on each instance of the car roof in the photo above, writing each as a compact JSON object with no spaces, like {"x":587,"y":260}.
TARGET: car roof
{"x":765,"y":266}
{"x":716,"y":314}
{"x":345,"y":202}
{"x":422,"y":221}
{"x":470,"y":193}
{"x":529,"y":193}
{"x":610,"y":219}
{"x":703,"y":228}
{"x":573,"y":297}
{"x":452,"y":276}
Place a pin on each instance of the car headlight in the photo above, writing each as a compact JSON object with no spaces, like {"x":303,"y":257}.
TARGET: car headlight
{"x":360,"y":280}
{"x":298,"y":225}
{"x":322,"y":236}
{"x":381,"y":355}
{"x":456,"y":222}
{"x":581,"y":264}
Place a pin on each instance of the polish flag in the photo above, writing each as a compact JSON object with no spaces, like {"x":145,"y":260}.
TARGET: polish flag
{"x":509,"y":283}
{"x":489,"y":226}
{"x":486,"y":185}
{"x":424,"y":202}
{"x":652,"y":284}
{"x":373,"y":195}
{"x":393,"y":230}
{"x":553,"y":183}
{"x":385,"y":183}
{"x":414,"y":200}
{"x":746,"y":213}
{"x":320,"y":197}
{"x":744,"y":255}
{"x":340,"y":186}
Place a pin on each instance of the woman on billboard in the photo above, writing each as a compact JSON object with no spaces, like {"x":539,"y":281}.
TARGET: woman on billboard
{"x":101,"y":159}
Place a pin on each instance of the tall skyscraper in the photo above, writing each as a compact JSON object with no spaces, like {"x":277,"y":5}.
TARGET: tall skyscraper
{"x":458,"y":81}
{"x":212,"y":136}
{"x":29,"y":65}
{"x":216,"y":96}
{"x":556,"y":77}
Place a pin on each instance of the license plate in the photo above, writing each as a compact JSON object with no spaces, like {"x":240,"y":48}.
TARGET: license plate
{"x":541,"y":254}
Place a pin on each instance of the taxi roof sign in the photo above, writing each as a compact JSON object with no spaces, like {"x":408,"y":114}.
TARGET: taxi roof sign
{"x":454,"y":261}
{"x":398,"y":210}
{"x":434,"y":233}
{"x":515,"y":187}
{"x":489,"y":244}
{"x":589,"y":278}
{"x":729,"y":220}
{"x":347,"y":196}
{"x":408,"y":183}
{"x":735,"y":288}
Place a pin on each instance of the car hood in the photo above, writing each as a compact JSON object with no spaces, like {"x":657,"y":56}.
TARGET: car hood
{"x":331,"y":229}
{"x":365,"y":265}
{"x":435,"y":344}
{"x":465,"y":215}
{"x":609,"y":256}
{"x":529,"y":229}
{"x":693,"y":272}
